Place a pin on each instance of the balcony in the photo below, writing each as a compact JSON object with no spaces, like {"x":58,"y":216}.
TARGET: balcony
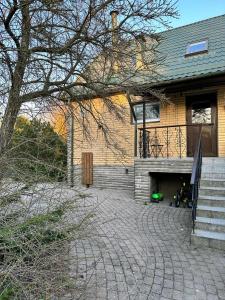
{"x":167,"y":141}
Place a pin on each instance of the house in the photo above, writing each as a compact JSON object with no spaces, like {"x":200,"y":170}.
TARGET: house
{"x":158,"y":139}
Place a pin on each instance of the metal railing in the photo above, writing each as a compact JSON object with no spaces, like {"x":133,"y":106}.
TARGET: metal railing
{"x":195,"y":177}
{"x":164,"y":141}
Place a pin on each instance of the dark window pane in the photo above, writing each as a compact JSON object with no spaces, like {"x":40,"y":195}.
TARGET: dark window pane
{"x":152,"y":112}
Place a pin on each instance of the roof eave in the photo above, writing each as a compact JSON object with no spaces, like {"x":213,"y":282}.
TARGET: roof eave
{"x":160,"y":84}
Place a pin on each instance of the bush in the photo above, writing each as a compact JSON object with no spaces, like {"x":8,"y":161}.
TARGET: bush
{"x":39,"y":218}
{"x":37,"y":150}
{"x":35,"y":243}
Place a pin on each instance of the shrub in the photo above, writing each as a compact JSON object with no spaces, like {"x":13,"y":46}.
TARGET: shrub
{"x":37,"y":151}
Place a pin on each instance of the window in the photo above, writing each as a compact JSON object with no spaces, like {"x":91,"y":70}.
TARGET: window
{"x":196,"y":48}
{"x":152,"y":112}
{"x":201,"y":113}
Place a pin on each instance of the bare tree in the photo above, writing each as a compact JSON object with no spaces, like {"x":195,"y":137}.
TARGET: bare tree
{"x":47,"y":47}
{"x":52,"y":50}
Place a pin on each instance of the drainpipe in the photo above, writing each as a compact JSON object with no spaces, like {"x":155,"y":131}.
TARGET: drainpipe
{"x":135,"y":138}
{"x":70,"y":146}
{"x":144,"y":130}
{"x":135,"y":123}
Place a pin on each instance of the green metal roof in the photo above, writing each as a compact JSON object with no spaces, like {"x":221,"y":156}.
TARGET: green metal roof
{"x":175,"y":65}
{"x":173,"y":48}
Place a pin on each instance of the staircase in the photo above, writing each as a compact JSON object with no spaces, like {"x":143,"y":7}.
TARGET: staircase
{"x":210,"y":220}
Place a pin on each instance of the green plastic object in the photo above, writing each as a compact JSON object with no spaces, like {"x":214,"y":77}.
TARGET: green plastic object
{"x":157,"y":196}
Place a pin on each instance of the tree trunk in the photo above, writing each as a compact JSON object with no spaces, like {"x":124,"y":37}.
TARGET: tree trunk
{"x":14,"y":103}
{"x":6,"y":132}
{"x":7,"y":126}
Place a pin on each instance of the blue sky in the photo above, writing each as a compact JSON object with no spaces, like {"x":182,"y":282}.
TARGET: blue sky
{"x":195,"y":10}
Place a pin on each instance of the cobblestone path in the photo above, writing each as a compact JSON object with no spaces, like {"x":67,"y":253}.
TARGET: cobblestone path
{"x":144,"y":252}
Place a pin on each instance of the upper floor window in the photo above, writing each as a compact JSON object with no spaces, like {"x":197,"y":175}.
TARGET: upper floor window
{"x":197,"y":48}
{"x":152,"y":112}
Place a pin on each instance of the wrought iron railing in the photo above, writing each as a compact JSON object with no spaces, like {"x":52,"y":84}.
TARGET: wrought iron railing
{"x":164,"y":141}
{"x":195,"y":177}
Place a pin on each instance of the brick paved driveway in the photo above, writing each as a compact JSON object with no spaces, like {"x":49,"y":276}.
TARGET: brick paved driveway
{"x":143,"y":252}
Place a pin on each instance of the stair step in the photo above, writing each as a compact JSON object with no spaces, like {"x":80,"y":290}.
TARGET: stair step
{"x":206,"y":182}
{"x":210,"y":224}
{"x":210,"y":220}
{"x":217,"y":201}
{"x":211,"y":211}
{"x":212,"y":191}
{"x":208,"y":239}
{"x":212,"y":175}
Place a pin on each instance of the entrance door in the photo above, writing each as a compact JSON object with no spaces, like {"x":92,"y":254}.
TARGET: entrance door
{"x":202,"y":109}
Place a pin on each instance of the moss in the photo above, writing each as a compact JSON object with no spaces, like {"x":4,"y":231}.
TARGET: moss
{"x":35,"y":230}
{"x":8,"y":199}
{"x":7,"y":294}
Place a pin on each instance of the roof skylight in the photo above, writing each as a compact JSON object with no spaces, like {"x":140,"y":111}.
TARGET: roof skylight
{"x":197,"y":48}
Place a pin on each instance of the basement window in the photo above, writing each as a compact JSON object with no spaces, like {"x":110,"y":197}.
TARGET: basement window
{"x":152,"y":112}
{"x":197,"y":48}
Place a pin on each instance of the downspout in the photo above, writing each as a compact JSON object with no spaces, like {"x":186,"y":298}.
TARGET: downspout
{"x":135,"y":123}
{"x":144,"y":130}
{"x":70,"y":146}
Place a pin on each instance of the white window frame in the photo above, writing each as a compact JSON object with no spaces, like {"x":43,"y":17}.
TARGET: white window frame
{"x":147,"y":120}
{"x":188,"y":52}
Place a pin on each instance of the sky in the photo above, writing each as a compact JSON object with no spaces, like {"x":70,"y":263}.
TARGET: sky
{"x":195,"y":10}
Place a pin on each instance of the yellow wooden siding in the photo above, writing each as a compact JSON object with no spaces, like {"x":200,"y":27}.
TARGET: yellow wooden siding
{"x":171,"y":114}
{"x":58,"y":120}
{"x":122,"y":133}
{"x":221,"y":121}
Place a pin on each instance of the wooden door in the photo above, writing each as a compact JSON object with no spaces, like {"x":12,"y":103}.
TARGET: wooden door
{"x":87,"y":168}
{"x":202,"y":110}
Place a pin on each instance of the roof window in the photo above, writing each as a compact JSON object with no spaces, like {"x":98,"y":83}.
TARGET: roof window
{"x":197,"y":48}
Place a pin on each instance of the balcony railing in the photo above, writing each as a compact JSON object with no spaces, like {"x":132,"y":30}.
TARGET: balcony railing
{"x":164,"y":141}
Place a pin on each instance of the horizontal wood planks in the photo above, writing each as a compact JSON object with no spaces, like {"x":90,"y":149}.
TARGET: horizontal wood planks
{"x":87,"y":168}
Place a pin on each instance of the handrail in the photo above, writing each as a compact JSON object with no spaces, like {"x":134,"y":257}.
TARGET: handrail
{"x":182,"y":125}
{"x":195,"y":177}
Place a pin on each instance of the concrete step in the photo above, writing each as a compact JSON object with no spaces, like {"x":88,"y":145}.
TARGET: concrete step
{"x":163,"y":169}
{"x":213,"y":175}
{"x":213,"y":160}
{"x":210,"y":239}
{"x":217,"y":201}
{"x":211,"y":191}
{"x":213,"y":163}
{"x":210,"y":220}
{"x":212,"y":182}
{"x":210,"y":224}
{"x":211,"y":211}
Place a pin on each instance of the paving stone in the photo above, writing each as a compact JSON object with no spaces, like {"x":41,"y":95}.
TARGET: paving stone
{"x":178,"y":295}
{"x":212,"y":297}
{"x":221,"y":294}
{"x":139,"y":252}
{"x":179,"y":286}
{"x":189,"y":284}
{"x":199,"y":287}
{"x":201,"y":295}
{"x":211,"y":289}
{"x":189,"y":291}
{"x":168,"y":283}
{"x":158,"y":280}
{"x":156,"y":289}
{"x":168,"y":293}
